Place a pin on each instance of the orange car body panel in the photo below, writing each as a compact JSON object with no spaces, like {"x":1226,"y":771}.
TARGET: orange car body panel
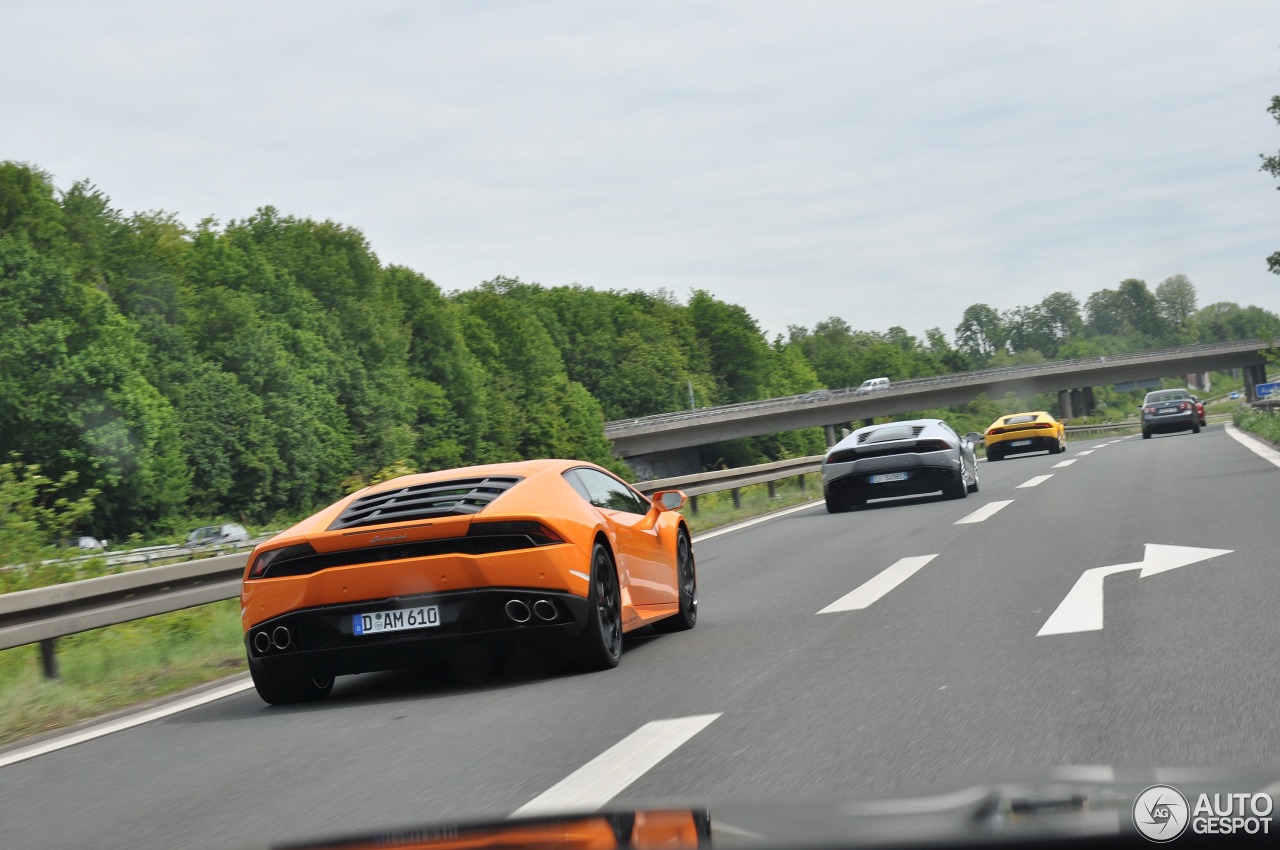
{"x":647,"y":580}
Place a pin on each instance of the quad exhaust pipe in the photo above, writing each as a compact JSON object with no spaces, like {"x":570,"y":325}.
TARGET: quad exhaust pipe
{"x":517,"y":611}
{"x":280,"y":638}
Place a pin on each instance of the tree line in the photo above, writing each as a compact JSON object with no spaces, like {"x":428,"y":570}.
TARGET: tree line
{"x":258,"y":370}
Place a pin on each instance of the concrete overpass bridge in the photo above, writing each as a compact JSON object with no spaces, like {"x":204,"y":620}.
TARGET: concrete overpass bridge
{"x":666,"y":444}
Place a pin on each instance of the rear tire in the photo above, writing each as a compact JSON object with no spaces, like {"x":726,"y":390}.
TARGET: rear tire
{"x":599,"y":647}
{"x":1195,"y":427}
{"x":973,"y":488}
{"x":1146,"y":435}
{"x":286,"y":685}
{"x":686,"y":586}
{"x":838,"y":505}
{"x":992,"y":455}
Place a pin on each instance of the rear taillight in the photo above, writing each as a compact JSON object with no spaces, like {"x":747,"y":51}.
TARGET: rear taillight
{"x":1148,"y":409}
{"x":1186,"y":405}
{"x":535,"y":531}
{"x":271,"y":556}
{"x":842,"y":456}
{"x":931,"y":446}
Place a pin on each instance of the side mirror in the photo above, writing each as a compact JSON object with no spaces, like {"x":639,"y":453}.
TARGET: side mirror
{"x":669,"y":500}
{"x":974,"y":437}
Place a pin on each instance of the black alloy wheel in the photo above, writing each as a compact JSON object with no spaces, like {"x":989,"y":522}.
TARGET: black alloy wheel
{"x":687,"y":584}
{"x":600,"y":644}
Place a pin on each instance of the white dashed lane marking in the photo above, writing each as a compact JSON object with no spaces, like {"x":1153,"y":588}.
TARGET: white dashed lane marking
{"x":1063,"y":463}
{"x":608,"y":774}
{"x":1032,"y":482}
{"x":985,"y":512}
{"x":879,"y":585}
{"x":1087,"y":452}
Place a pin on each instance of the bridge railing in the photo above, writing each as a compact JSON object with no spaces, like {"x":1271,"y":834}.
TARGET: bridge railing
{"x":913,"y":384}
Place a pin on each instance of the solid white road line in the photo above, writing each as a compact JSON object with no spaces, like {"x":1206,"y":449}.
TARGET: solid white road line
{"x":1032,"y":482}
{"x":124,"y":723}
{"x":1087,"y":452}
{"x":750,"y":522}
{"x":878,"y":585}
{"x":1254,"y":445}
{"x":985,"y":512}
{"x":608,"y":774}
{"x":1063,"y":463}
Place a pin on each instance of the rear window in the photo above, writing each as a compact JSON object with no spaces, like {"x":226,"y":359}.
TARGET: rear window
{"x":1021,"y":420}
{"x":903,"y":432}
{"x":1169,"y":395}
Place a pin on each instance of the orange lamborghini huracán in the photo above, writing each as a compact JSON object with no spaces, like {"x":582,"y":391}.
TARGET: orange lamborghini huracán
{"x":556,"y":553}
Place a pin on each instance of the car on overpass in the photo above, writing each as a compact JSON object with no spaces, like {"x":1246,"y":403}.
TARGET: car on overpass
{"x":1033,"y":431}
{"x":872,"y":385}
{"x":1165,"y":411}
{"x":554,"y":554}
{"x":910,"y":458}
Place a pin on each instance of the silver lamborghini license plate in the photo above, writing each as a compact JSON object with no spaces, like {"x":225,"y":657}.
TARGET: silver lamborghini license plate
{"x":888,"y":476}
{"x":377,"y":622}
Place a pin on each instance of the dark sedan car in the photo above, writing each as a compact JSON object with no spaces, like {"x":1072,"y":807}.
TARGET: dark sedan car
{"x":1169,"y":410}
{"x":898,"y":459}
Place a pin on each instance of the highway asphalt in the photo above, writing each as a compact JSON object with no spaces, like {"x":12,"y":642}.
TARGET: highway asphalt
{"x":934,"y":675}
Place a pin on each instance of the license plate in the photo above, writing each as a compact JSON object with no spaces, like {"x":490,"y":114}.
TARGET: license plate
{"x":888,"y":476}
{"x":1020,"y":443}
{"x":1168,"y":410}
{"x":399,"y":620}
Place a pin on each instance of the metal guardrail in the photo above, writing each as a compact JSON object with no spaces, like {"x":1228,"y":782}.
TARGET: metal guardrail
{"x":914,"y":384}
{"x":45,"y":613}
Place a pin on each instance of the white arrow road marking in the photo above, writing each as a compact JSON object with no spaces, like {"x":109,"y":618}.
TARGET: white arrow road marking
{"x":1086,"y":452}
{"x":1081,"y":610}
{"x":878,"y":585}
{"x":608,"y":774}
{"x":1063,"y":463}
{"x":1032,"y":482}
{"x":985,"y":512}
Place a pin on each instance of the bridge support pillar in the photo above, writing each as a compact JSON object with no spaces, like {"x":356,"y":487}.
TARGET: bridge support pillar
{"x":831,"y":435}
{"x":1077,"y":403}
{"x":1064,"y":405}
{"x":1253,"y":375}
{"x":1087,"y":393}
{"x":668,"y":464}
{"x":870,"y":420}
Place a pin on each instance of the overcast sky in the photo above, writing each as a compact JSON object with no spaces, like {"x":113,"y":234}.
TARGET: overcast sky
{"x":889,"y":163}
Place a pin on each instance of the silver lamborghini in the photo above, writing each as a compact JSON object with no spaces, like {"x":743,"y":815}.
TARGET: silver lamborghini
{"x":899,"y":459}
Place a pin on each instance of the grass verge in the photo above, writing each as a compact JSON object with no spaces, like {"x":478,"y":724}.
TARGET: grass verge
{"x":717,"y":509}
{"x":1265,"y":424}
{"x":118,"y":666}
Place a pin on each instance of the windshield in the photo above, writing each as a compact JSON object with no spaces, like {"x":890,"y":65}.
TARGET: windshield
{"x":487,"y":335}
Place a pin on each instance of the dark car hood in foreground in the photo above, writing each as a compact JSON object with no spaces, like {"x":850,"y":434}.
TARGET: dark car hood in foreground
{"x":1066,"y":807}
